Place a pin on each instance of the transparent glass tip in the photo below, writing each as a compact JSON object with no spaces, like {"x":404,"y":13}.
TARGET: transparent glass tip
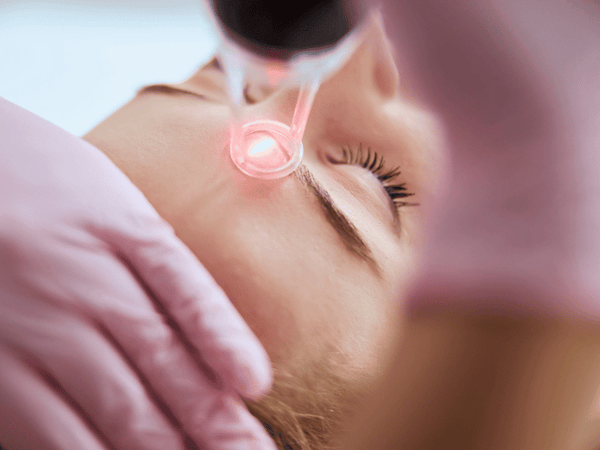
{"x":270,"y":149}
{"x":266,"y":149}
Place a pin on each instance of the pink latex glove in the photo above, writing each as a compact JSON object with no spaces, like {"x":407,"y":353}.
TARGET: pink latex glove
{"x":112,"y":334}
{"x":517,"y":84}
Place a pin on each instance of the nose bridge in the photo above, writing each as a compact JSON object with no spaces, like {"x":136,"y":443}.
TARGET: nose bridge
{"x":371,"y":71}
{"x":384,"y":70}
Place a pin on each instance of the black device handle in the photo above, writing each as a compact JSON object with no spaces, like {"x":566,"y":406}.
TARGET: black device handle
{"x":281,"y":28}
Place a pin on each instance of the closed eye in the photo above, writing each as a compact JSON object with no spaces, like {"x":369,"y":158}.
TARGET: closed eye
{"x":388,"y":177}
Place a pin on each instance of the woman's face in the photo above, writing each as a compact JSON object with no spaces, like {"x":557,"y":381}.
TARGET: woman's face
{"x":315,"y":281}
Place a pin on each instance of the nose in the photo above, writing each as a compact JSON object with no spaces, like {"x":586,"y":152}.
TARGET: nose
{"x":384,"y":71}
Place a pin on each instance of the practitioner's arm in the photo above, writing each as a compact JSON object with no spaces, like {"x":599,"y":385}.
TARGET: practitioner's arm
{"x":516,"y":85}
{"x":516,"y":235}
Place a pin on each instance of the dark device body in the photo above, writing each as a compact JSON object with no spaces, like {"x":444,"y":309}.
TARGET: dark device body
{"x":281,"y":28}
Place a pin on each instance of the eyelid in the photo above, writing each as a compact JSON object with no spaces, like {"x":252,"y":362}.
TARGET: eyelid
{"x":373,"y":163}
{"x":392,"y":206}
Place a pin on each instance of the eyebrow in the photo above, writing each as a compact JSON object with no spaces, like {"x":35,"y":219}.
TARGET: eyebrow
{"x":162,"y":88}
{"x":345,"y":229}
{"x":166,"y":89}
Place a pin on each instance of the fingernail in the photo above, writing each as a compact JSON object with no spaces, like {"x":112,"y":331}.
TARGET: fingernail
{"x":255,"y":378}
{"x":261,"y":445}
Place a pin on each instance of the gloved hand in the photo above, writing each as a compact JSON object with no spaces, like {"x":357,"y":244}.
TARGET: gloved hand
{"x":112,"y":334}
{"x":517,"y":86}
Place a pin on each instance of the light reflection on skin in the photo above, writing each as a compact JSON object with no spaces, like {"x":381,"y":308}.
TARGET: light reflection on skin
{"x":271,"y":244}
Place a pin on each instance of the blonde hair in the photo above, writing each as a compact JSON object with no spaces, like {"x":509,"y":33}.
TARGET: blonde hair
{"x":308,"y":412}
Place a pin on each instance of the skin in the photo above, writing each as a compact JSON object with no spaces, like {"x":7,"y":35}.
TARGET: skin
{"x":268,"y":243}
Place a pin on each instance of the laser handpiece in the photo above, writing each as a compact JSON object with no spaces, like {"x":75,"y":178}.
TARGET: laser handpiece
{"x":272,"y":45}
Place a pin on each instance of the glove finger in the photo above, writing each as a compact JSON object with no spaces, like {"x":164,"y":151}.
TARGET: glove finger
{"x":197,"y":304}
{"x":213,"y":416}
{"x":91,"y":371}
{"x":102,"y":288}
{"x":33,"y":415}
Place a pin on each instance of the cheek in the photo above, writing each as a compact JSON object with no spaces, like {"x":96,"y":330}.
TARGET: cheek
{"x":297,"y":289}
{"x":261,"y":253}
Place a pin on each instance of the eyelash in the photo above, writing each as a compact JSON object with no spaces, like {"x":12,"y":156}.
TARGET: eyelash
{"x":375,"y":164}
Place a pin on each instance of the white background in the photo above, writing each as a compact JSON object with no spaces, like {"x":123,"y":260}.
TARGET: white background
{"x":73,"y":62}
